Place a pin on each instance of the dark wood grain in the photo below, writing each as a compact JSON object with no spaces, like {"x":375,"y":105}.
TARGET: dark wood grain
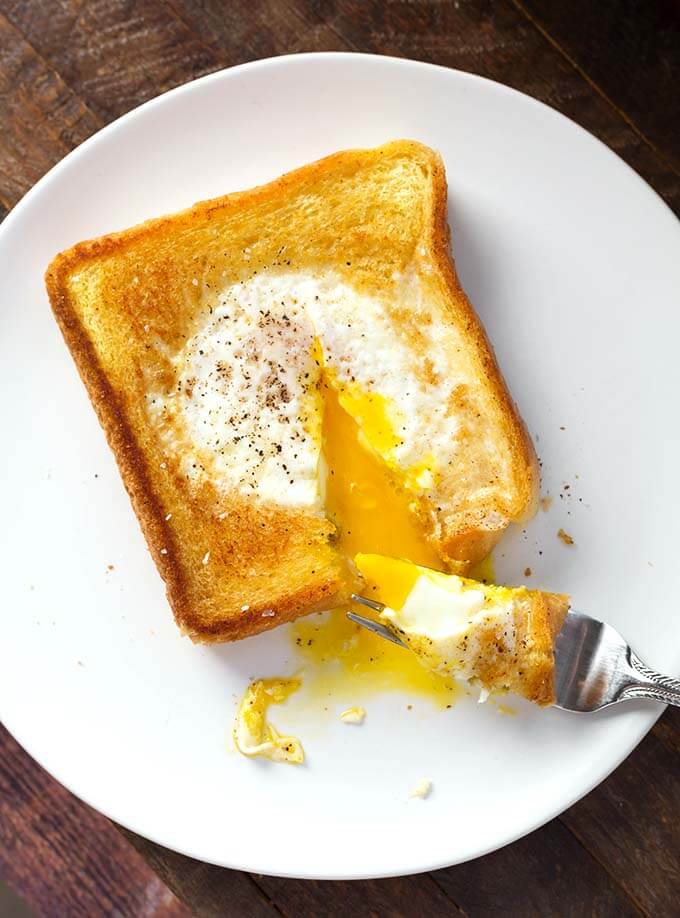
{"x":667,"y":730}
{"x":117,"y":53}
{"x":211,"y":891}
{"x":205,"y":887}
{"x":270,"y":27}
{"x":419,"y":895}
{"x":69,"y":67}
{"x":630,"y":824}
{"x":630,"y":51}
{"x":64,"y":858}
{"x":546,"y":873}
{"x":41,"y":119}
{"x":496,"y":40}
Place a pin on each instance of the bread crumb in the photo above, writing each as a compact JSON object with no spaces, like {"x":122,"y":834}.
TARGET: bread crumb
{"x":206,"y":558}
{"x":109,"y":567}
{"x":164,"y":551}
{"x":163,"y":465}
{"x":527,"y":572}
{"x":244,"y":608}
{"x":545,"y":502}
{"x":564,"y":537}
{"x":483,"y":695}
{"x":354,"y":715}
{"x":422,"y":789}
{"x":268,"y":613}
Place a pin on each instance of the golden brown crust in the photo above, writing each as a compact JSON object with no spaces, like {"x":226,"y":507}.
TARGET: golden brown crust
{"x":525,"y":665}
{"x":476,"y":544}
{"x":102,"y":290}
{"x":130,"y":459}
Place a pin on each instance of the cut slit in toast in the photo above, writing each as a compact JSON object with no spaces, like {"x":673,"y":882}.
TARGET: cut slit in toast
{"x":206,"y":338}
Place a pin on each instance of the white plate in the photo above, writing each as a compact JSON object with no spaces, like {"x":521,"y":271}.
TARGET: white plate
{"x":573,"y":264}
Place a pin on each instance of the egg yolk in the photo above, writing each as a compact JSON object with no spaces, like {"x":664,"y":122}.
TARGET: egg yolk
{"x":371,"y":514}
{"x":389,"y":580}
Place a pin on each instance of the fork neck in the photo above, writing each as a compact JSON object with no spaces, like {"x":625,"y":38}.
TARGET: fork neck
{"x":647,"y":683}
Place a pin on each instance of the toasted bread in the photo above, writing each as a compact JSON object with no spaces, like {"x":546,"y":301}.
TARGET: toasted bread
{"x":238,"y":552}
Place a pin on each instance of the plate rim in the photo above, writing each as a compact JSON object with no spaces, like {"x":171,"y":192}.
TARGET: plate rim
{"x":650,"y":714}
{"x":216,"y":75}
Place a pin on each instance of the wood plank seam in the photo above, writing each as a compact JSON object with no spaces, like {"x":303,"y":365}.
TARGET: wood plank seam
{"x":265,"y":895}
{"x":41,"y":117}
{"x":5,"y":203}
{"x":50,"y":61}
{"x":182,"y":874}
{"x":329,"y":24}
{"x":211,"y":50}
{"x":50,"y":67}
{"x":625,"y":894}
{"x":447,"y":893}
{"x":595,"y":86}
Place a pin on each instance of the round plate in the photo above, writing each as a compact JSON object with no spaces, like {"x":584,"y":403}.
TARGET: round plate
{"x":572,"y":263}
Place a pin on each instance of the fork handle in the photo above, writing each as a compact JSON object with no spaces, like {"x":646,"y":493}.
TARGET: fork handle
{"x":651,"y":685}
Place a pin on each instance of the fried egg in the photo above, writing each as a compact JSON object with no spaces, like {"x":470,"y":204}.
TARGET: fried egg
{"x":254,"y":735}
{"x":247,"y":403}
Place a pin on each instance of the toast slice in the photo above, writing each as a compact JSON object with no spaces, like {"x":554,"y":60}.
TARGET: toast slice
{"x":207,"y":339}
{"x":500,"y":638}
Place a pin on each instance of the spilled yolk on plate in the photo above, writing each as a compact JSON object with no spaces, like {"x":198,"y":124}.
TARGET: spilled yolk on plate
{"x":371,"y":515}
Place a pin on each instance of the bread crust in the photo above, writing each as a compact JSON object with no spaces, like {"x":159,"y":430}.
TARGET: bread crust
{"x":529,"y":670}
{"x":524,"y":454}
{"x":329,"y":582}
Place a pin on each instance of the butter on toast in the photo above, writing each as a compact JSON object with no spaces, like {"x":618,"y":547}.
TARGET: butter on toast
{"x":206,"y":340}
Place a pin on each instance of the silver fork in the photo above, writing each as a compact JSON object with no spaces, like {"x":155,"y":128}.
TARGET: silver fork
{"x":594,"y":666}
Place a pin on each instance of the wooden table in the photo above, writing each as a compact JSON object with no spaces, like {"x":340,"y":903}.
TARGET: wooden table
{"x":66,"y":69}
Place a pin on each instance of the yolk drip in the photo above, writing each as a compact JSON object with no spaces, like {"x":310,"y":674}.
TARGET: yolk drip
{"x":371,"y":515}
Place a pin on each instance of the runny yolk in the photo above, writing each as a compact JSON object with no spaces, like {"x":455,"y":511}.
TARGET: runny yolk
{"x":371,"y":515}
